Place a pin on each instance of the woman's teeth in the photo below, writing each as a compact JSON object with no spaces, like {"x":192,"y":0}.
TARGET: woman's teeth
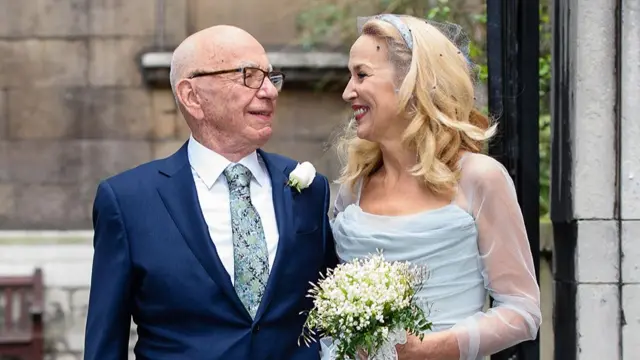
{"x":360,"y":111}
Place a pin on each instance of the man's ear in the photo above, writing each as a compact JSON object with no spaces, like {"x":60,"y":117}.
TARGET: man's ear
{"x":188,"y":97}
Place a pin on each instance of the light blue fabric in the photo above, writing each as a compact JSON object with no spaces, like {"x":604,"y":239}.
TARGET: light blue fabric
{"x":444,"y":240}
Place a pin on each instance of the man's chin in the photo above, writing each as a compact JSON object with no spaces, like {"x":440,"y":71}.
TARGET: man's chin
{"x":263,"y":135}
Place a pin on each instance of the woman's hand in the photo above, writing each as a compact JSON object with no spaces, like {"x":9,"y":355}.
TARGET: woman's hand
{"x":412,"y":349}
{"x":441,"y":345}
{"x":407,"y":351}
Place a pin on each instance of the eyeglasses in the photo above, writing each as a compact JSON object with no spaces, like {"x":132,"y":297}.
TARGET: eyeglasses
{"x":253,"y":77}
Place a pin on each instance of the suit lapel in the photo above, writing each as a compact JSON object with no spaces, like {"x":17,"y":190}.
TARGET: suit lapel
{"x":179,"y":196}
{"x":283,"y":206}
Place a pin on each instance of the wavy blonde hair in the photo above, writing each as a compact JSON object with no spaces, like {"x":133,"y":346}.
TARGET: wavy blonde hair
{"x":436,"y":96}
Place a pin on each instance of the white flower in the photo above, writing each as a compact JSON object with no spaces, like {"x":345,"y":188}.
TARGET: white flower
{"x":302,"y":176}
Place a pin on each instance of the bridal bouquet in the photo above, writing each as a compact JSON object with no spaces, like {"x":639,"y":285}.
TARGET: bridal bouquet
{"x":367,"y":304}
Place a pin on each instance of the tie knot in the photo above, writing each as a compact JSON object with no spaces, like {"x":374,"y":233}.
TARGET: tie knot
{"x":238,"y":175}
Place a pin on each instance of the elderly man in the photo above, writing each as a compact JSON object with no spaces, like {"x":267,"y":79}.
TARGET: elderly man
{"x":210,"y":250}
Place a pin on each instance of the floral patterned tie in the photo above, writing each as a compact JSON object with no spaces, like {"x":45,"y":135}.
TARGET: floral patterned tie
{"x":250,"y":255}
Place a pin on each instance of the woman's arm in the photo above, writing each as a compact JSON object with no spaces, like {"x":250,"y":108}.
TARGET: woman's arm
{"x":508,"y":268}
{"x":508,"y":271}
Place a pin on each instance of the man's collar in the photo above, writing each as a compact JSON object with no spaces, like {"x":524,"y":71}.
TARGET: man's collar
{"x":209,"y":165}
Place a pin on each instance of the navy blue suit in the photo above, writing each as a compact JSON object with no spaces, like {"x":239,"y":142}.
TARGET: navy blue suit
{"x":155,"y":261}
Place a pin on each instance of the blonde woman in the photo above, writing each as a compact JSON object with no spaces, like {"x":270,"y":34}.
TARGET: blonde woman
{"x":416,"y":186}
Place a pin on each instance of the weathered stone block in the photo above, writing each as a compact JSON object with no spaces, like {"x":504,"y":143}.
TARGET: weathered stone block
{"x":598,"y":324}
{"x":55,"y":354}
{"x":17,"y":18}
{"x":138,"y":18}
{"x":102,"y":159}
{"x":597,"y":252}
{"x":80,"y":206}
{"x":65,"y":319}
{"x":119,"y":113}
{"x":114,"y":61}
{"x":48,"y":206}
{"x":4,"y":115}
{"x":42,"y":206}
{"x":309,"y":114}
{"x":116,"y":17}
{"x":44,"y":18}
{"x":630,"y":169}
{"x":595,"y":97}
{"x":80,"y":304}
{"x":7,"y":204}
{"x":631,"y":251}
{"x":68,"y":275}
{"x":281,"y":25}
{"x":176,"y":21}
{"x":630,"y":157}
{"x":165,"y":115}
{"x":44,"y":162}
{"x":5,"y":169}
{"x":41,"y":63}
{"x":46,"y":113}
{"x":30,"y":253}
{"x":7,"y":200}
{"x":163,"y":149}
{"x":16,"y":269}
{"x":547,"y":293}
{"x":631,"y":328}
{"x":182,"y":129}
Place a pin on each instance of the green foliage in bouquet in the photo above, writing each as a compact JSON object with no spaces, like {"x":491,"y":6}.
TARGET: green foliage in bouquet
{"x":362,"y":303}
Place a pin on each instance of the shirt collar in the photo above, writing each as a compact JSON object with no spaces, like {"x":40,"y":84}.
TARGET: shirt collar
{"x":209,"y":165}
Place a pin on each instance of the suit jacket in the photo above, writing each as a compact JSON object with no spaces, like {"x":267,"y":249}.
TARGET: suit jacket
{"x":155,"y":262}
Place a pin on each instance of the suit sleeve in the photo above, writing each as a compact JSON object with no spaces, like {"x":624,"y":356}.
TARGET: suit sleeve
{"x":331,"y":257}
{"x":109,"y":313}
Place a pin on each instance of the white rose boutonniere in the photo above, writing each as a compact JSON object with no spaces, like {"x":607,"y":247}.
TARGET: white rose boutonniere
{"x":302,"y":176}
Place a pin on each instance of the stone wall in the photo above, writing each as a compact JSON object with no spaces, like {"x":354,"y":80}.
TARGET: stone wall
{"x":599,"y":261}
{"x":74,"y":109}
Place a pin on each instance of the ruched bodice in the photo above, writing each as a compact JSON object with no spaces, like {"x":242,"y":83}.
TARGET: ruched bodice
{"x":443,"y":240}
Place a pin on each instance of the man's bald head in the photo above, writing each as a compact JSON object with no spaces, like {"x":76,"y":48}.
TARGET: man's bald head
{"x":216,"y":45}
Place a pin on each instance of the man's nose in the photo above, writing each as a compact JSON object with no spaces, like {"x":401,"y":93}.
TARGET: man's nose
{"x":267,"y":90}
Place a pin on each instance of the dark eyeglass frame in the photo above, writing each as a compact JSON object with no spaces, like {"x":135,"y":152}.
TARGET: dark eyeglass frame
{"x":243,"y":70}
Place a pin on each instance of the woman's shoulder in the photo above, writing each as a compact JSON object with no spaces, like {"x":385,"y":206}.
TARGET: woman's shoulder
{"x":482,"y":170}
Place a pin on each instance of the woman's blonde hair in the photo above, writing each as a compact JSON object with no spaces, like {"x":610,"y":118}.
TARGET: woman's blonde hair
{"x":436,"y":96}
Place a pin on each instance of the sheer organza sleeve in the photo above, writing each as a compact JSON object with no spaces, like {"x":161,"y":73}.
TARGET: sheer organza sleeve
{"x":345,"y":197}
{"x":508,"y":270}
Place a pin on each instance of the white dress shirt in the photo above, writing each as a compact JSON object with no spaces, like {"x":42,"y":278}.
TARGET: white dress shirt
{"x":207,"y":168}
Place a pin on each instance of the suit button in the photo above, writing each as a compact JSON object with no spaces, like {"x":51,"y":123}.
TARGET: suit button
{"x":255,"y":329}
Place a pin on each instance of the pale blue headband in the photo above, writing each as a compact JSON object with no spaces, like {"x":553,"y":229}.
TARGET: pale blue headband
{"x":453,"y":32}
{"x":402,"y":28}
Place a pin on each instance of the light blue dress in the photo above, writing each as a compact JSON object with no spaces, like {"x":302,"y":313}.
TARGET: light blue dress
{"x":462,"y":271}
